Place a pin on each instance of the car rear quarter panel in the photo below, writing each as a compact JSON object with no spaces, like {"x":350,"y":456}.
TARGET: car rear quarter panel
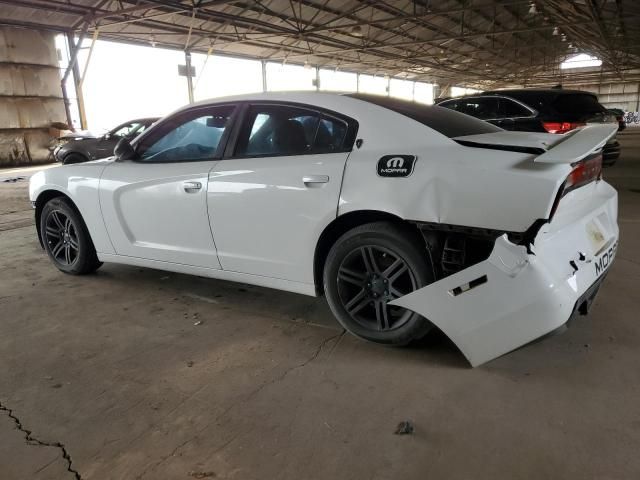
{"x":80,"y":183}
{"x":452,"y":184}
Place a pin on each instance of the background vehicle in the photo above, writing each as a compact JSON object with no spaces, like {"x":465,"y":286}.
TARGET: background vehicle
{"x":404,"y":216}
{"x":619,"y":114}
{"x":84,"y":146}
{"x":530,"y":110}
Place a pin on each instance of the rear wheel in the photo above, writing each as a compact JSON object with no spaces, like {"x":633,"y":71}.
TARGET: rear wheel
{"x":366,"y":269}
{"x":66,"y":239}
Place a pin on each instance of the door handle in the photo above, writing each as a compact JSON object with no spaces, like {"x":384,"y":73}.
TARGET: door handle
{"x":191,"y":187}
{"x":311,"y":180}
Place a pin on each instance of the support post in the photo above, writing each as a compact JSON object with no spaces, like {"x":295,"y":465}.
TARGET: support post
{"x":73,"y":67}
{"x":187,"y":61}
{"x":264,"y":75}
{"x":75,"y":70}
{"x":86,"y":65}
{"x":67,"y":105}
{"x":317,"y":78}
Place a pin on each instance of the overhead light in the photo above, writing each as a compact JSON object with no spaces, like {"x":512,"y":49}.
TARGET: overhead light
{"x":386,"y":78}
{"x":556,"y":31}
{"x":306,"y":65}
{"x":563,"y":38}
{"x":356,"y":31}
{"x":152,"y":40}
{"x":533,"y":10}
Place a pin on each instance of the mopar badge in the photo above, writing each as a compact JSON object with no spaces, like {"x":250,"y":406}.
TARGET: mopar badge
{"x":396,"y":165}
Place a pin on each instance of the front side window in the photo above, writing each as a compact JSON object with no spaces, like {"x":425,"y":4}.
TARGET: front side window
{"x":483,"y":108}
{"x":453,"y":105}
{"x":274,"y":130}
{"x":191,"y":136}
{"x":127,"y":130}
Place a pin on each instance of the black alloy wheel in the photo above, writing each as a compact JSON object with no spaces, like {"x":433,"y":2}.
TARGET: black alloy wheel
{"x":369,"y":267}
{"x":62,"y":237}
{"x":66,"y":239}
{"x":369,"y":278}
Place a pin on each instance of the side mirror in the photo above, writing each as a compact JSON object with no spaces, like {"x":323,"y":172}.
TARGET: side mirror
{"x":124,"y":151}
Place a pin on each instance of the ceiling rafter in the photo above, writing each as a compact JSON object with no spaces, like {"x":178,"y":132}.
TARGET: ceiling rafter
{"x":473,"y":42}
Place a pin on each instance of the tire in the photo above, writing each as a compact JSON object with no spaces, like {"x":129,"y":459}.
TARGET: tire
{"x":370,"y":266}
{"x":66,"y":239}
{"x":74,"y":158}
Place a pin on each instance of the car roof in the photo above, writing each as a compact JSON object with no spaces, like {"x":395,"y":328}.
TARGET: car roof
{"x":145,"y":119}
{"x":539,"y":91}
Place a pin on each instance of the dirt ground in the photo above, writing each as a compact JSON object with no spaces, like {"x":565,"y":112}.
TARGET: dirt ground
{"x":140,"y":374}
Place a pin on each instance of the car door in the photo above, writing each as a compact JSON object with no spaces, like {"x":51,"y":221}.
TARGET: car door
{"x":155,"y":207}
{"x":277,"y":189}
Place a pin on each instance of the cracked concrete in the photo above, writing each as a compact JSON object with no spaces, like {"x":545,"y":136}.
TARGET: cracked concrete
{"x":268,"y":387}
{"x":32,"y":440}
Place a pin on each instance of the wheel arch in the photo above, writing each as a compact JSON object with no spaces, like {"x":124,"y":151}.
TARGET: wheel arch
{"x":84,"y":155}
{"x":41,"y":201}
{"x":342,"y":224}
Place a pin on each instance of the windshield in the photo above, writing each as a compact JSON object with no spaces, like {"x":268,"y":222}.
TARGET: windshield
{"x":441,"y":119}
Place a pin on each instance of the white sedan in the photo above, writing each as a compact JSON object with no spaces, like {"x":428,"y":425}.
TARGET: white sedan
{"x":405,"y":216}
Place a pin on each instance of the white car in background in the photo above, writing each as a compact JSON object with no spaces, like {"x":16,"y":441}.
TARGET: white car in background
{"x":405,"y":216}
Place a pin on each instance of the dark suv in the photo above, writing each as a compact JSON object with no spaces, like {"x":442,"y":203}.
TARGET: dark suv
{"x":553,"y":110}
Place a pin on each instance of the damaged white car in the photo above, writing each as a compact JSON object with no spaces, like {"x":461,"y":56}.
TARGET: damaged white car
{"x":406,"y":217}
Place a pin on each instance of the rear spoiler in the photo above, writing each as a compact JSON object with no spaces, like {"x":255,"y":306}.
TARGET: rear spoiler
{"x":578,"y":144}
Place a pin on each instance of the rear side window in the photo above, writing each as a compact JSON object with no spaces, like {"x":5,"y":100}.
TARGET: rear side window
{"x":577,"y":103}
{"x":330,"y":136}
{"x":511,"y":109}
{"x":275,"y":130}
{"x":440,"y":118}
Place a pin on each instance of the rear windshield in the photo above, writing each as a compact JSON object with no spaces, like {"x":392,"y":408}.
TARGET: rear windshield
{"x":443,"y":120}
{"x":577,"y":103}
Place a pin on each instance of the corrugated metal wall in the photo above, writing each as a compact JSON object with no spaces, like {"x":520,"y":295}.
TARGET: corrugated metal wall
{"x":30,"y":95}
{"x":617,"y":95}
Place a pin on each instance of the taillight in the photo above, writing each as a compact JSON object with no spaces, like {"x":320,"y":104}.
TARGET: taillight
{"x":561,"y":127}
{"x":584,"y":172}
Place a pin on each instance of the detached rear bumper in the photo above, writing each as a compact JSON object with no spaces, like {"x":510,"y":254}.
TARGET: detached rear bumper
{"x":514,"y":297}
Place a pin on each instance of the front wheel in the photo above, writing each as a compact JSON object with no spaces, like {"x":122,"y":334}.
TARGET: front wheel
{"x":369,"y":267}
{"x":66,"y":239}
{"x":72,"y":158}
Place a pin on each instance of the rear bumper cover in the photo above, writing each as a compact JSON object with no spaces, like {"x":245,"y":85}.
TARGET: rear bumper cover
{"x":514,"y":297}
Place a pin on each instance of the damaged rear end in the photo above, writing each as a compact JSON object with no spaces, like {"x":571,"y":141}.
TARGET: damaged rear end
{"x":530,"y":283}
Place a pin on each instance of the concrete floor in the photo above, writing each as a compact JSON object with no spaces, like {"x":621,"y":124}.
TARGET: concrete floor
{"x":112,"y":376}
